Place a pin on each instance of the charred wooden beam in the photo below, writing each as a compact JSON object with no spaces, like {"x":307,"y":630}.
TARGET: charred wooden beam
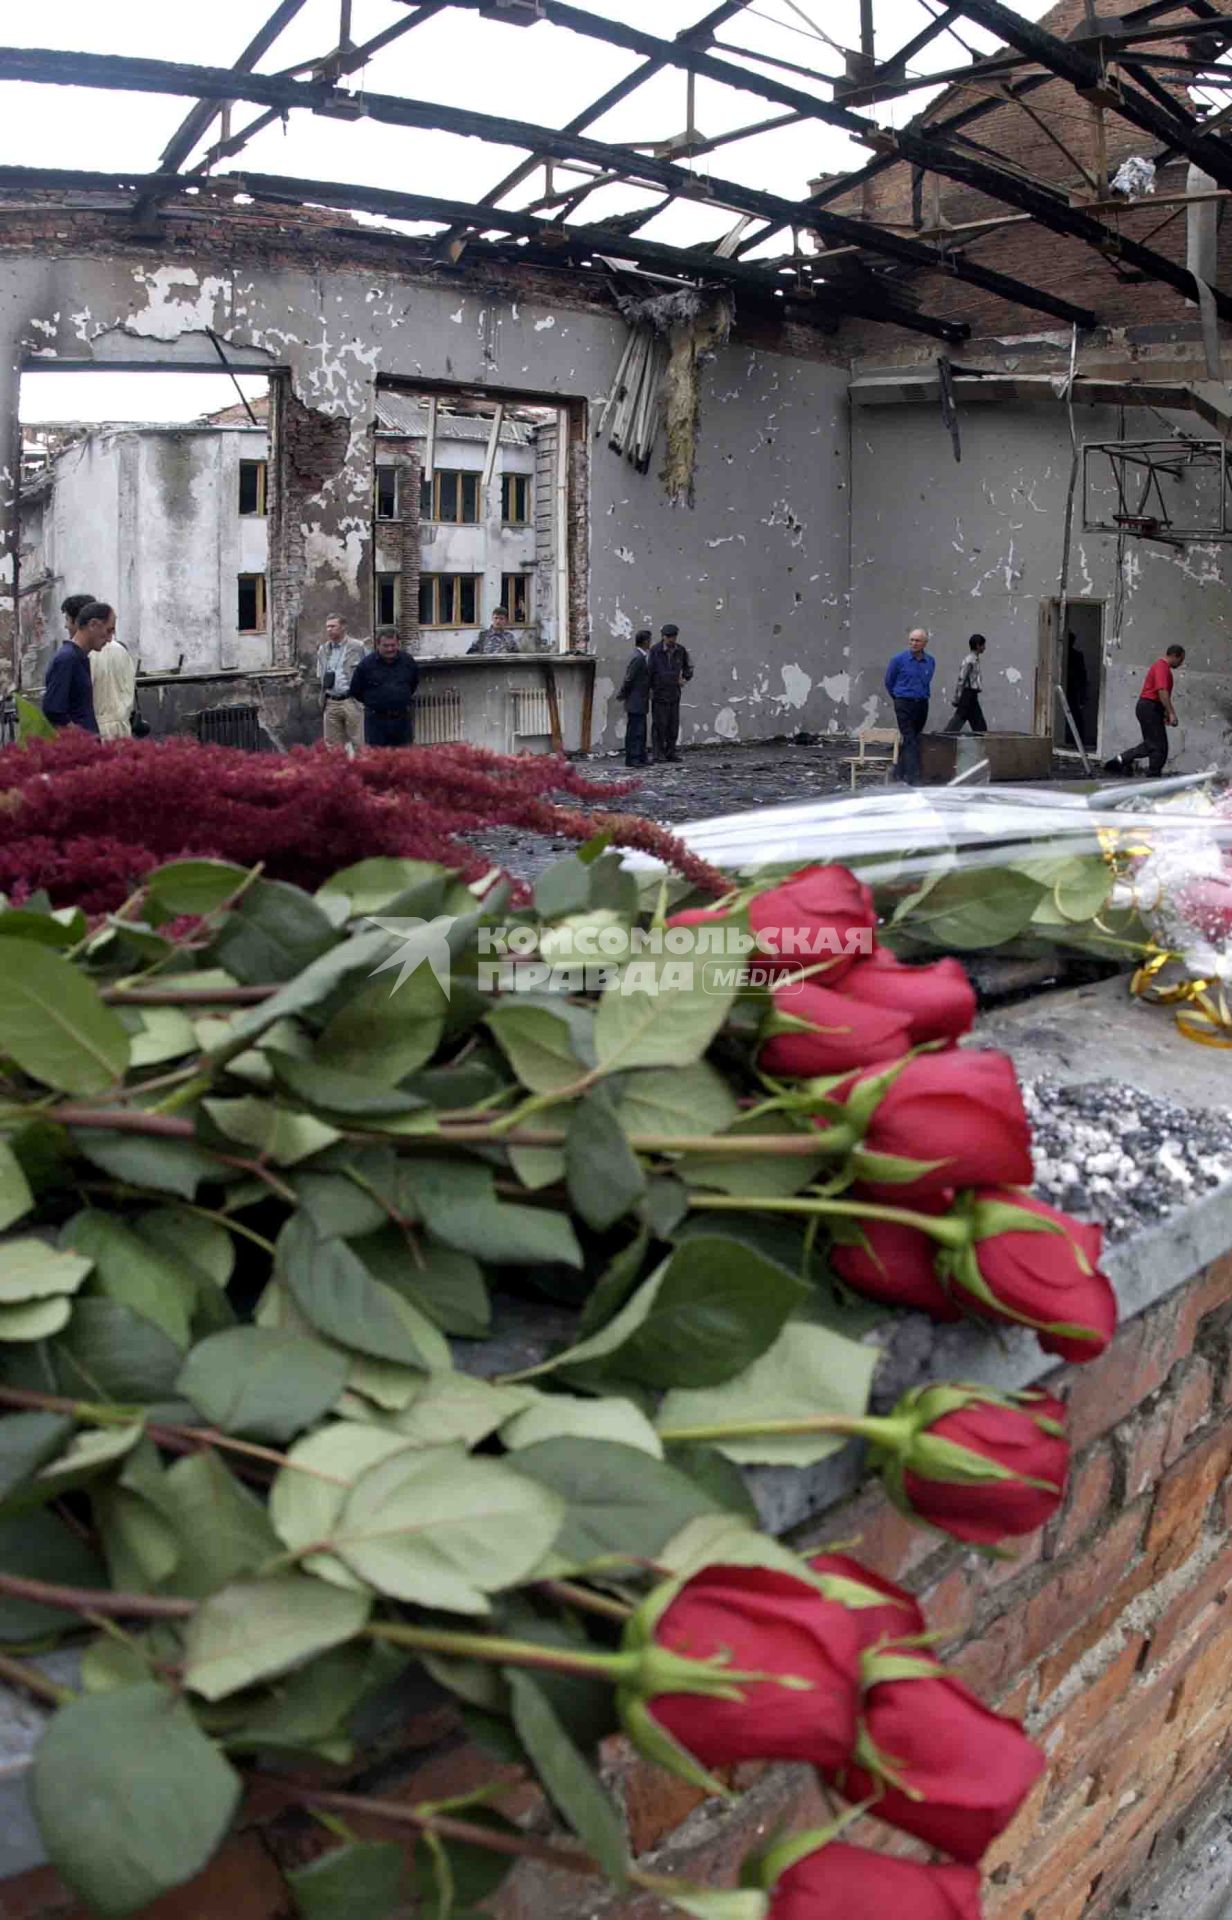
{"x":553,"y":241}
{"x":161,"y":76}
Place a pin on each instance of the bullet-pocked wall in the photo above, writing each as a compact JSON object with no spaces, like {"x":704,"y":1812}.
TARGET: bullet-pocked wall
{"x":978,"y":546}
{"x":755,"y":574}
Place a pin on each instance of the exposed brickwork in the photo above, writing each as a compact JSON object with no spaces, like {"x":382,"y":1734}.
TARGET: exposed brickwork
{"x":308,"y":448}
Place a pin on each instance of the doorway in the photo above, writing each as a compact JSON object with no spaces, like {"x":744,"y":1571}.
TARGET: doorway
{"x":1072,"y":659}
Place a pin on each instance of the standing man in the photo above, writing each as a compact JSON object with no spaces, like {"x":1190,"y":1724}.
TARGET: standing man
{"x":1155,"y":713}
{"x":113,"y":675}
{"x":384,"y":684}
{"x":635,"y":693}
{"x":338,"y":656}
{"x":496,"y":638}
{"x":71,"y":607}
{"x":68,"y":694}
{"x":668,"y":667}
{"x":908,"y":681}
{"x":967,"y":694}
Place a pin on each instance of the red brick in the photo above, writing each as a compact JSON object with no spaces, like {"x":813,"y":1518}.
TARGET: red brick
{"x":1145,"y":1443}
{"x":991,"y":1576}
{"x":1071,"y":1598}
{"x":1106,"y":1391}
{"x":1172,"y":1632}
{"x":655,"y":1803}
{"x":1066,"y":1735}
{"x":1179,"y":1513}
{"x":1086,"y":1502}
{"x":1191,"y":1407}
{"x":1205,"y":1295}
{"x":877,"y":1533}
{"x":949,"y":1606}
{"x":993,"y":1663}
{"x":1097,"y":1623}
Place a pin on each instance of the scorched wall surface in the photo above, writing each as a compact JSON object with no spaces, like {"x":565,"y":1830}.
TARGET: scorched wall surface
{"x":977,"y":546}
{"x":755,"y":574}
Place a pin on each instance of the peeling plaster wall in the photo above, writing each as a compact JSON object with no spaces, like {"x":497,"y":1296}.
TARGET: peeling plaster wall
{"x":976,"y":547}
{"x":755,"y":575}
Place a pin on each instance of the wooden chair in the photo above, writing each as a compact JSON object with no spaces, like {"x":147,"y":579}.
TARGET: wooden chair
{"x":881,"y":762}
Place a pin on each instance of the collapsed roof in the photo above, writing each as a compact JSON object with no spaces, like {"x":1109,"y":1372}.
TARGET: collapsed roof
{"x":1148,"y":82}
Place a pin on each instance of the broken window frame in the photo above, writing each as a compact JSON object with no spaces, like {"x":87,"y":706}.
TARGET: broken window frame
{"x":259,"y":470}
{"x":448,"y":594}
{"x":517,"y":597}
{"x":515,"y":493}
{"x":386,"y":492}
{"x":254,"y":583}
{"x":447,"y":511}
{"x":386,"y":599}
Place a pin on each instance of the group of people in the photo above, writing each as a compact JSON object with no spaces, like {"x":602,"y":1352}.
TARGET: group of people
{"x":368,"y":698}
{"x":654,"y":680}
{"x":909,"y":679}
{"x":91,"y":681}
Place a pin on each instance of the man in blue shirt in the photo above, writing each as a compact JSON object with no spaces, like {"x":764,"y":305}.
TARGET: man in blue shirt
{"x":908,"y":680}
{"x":68,"y":692}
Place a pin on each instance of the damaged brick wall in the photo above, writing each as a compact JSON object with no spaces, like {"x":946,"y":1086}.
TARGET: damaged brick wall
{"x":411,"y":465}
{"x":307,"y":449}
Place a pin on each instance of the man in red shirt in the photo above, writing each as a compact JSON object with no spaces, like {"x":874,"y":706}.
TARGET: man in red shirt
{"x":1156,"y":714}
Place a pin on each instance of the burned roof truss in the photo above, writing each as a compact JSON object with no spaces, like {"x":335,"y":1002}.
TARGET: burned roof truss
{"x":1138,"y":67}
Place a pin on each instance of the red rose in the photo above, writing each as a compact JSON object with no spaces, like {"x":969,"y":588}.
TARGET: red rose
{"x":898,"y":1617}
{"x":941,"y":1764}
{"x":1046,"y":1276}
{"x":839,"y":1882}
{"x":977,"y":1464}
{"x":764,"y":1622}
{"x":698,"y":917}
{"x":938,"y":999}
{"x":896,"y":1263}
{"x":821,"y":914}
{"x":958,"y":1117}
{"x":841,"y":1033}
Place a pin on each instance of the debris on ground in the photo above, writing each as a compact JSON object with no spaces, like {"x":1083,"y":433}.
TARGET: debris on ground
{"x":1106,"y":1152}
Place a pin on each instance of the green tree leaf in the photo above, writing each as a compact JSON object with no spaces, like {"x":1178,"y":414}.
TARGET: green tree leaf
{"x":31,"y":1269}
{"x":222,"y":1529}
{"x":54,"y":1024}
{"x":558,"y":1416}
{"x":615,"y":1284}
{"x":275,"y":1132}
{"x":265,"y":1384}
{"x":132,"y":1273}
{"x":34,"y":1319}
{"x":364,"y":1880}
{"x":604,"y":1175}
{"x":385,"y":1033}
{"x":332,"y":1090}
{"x":202,"y":1247}
{"x":272,"y":933}
{"x":808,"y":1371}
{"x":618,"y":1500}
{"x":193,"y":886}
{"x":27,"y":1442}
{"x":335,"y":1291}
{"x":745,"y":1903}
{"x":538,"y":1045}
{"x":457,"y":1200}
{"x":32,"y":722}
{"x":109,"y":1353}
{"x":563,"y":888}
{"x":970,"y":910}
{"x":456,"y":1408}
{"x":16,"y":1198}
{"x":161,"y":1033}
{"x":130,"y":1797}
{"x":571,"y":1783}
{"x":38,"y":1546}
{"x":669,"y":1027}
{"x":255,"y":1629}
{"x":369,"y":886}
{"x":443,"y":1530}
{"x":168,"y":1166}
{"x":307,"y":1497}
{"x":678,"y":1101}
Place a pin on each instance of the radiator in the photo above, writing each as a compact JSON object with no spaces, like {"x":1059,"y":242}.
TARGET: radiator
{"x":230,"y":727}
{"x":438,"y":717}
{"x":530,"y":712}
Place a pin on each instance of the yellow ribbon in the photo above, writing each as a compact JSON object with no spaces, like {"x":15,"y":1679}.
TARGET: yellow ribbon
{"x":1201,"y":1008}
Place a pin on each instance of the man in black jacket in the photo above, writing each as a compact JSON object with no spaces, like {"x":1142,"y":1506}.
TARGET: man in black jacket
{"x":635,"y":694}
{"x":384,"y":683}
{"x":669,"y":667}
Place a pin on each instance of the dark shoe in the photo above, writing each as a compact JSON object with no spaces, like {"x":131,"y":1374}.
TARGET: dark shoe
{"x":674,"y":758}
{"x":1115,"y":765}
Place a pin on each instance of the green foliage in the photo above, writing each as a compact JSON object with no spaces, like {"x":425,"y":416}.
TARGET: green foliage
{"x":360,"y":1881}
